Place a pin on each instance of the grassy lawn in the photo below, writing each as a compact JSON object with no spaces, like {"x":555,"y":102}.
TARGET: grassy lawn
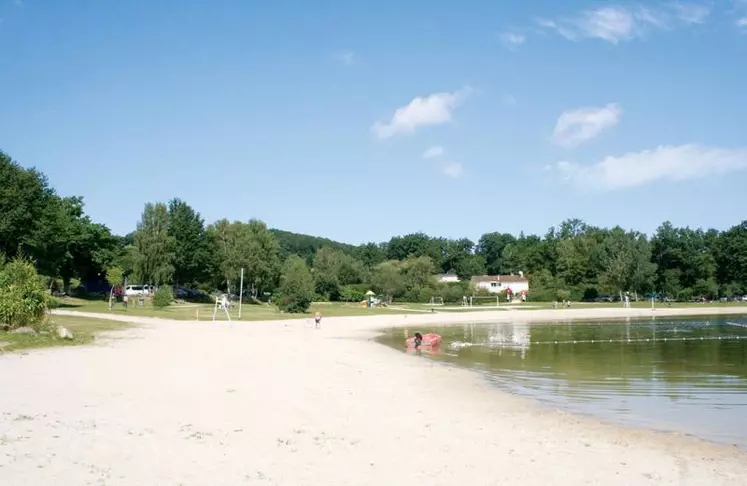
{"x":204,"y":312}
{"x":84,"y":331}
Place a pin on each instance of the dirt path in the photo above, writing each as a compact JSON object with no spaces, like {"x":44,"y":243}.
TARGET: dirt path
{"x":280,"y":403}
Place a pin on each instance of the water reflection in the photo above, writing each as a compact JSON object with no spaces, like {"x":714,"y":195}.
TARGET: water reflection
{"x":687,"y":375}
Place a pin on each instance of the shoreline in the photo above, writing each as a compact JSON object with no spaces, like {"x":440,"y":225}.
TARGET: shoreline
{"x":379,"y":321}
{"x":278,"y":402}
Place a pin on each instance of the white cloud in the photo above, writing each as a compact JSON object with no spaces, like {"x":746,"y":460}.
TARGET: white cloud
{"x":513,"y":40}
{"x":742,"y":23}
{"x":433,"y":152}
{"x":452,"y":169}
{"x":615,"y":24}
{"x":662,"y":164}
{"x":691,"y":13}
{"x":612,"y":24}
{"x":575,"y":127}
{"x":509,"y":100}
{"x":435,"y":109}
{"x":347,"y":58}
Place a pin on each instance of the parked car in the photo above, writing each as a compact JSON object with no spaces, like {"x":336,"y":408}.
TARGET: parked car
{"x":132,"y":290}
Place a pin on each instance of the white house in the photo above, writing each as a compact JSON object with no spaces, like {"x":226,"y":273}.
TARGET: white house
{"x":447,"y":278}
{"x":495,"y":284}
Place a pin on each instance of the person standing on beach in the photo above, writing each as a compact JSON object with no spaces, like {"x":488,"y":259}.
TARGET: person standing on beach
{"x":318,"y":320}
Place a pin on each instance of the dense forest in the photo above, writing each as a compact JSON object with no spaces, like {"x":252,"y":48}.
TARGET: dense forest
{"x":172,"y":244}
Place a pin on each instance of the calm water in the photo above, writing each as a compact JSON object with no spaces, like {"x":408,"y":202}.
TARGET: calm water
{"x":668,"y":374}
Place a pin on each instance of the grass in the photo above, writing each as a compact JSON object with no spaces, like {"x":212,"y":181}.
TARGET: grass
{"x":204,"y":312}
{"x":84,"y":331}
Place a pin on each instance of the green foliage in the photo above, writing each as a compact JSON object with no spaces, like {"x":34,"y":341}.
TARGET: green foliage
{"x":354,"y":293}
{"x":491,"y":247}
{"x":249,"y":246}
{"x":23,"y":296}
{"x":51,"y":230}
{"x":563,"y":294}
{"x":155,"y":247}
{"x":163,"y":297}
{"x":114,"y":276}
{"x":306,"y":246}
{"x":296,"y":286}
{"x":332,"y":270}
{"x":172,"y":244}
{"x":53,"y":303}
{"x":191,"y":250}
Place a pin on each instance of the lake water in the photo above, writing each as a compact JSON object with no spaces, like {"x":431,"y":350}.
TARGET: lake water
{"x":686,"y":375}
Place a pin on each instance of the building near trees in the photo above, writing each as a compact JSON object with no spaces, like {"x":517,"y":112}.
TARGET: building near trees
{"x":496,"y":284}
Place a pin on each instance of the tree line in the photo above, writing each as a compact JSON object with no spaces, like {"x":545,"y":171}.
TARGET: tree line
{"x":172,"y":244}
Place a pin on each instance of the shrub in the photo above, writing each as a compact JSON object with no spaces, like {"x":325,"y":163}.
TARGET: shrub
{"x":563,"y":294}
{"x":23,"y":295}
{"x":53,"y":303}
{"x":296,"y":286}
{"x":352,"y":293}
{"x":163,"y":297}
{"x":293,"y":304}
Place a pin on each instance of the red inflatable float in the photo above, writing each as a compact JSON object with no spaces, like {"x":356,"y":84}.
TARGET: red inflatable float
{"x":429,"y":340}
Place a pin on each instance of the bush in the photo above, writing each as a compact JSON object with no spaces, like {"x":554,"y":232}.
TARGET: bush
{"x":296,"y":286}
{"x":353,"y":293}
{"x":163,"y":297}
{"x":23,"y":295}
{"x":53,"y":303}
{"x":563,"y":294}
{"x":293,"y":304}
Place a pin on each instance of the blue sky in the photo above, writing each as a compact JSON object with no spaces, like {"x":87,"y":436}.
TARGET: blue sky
{"x":363,"y":120}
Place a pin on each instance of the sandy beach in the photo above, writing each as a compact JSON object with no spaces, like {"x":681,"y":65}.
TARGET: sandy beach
{"x":279,"y":403}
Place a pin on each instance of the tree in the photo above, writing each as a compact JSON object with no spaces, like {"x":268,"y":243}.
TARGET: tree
{"x":731,"y":255}
{"x":326,"y":272}
{"x":114,"y":277}
{"x":415,"y":244}
{"x":491,"y":246}
{"x":229,"y":242}
{"x":191,"y":253}
{"x":387,"y":279}
{"x":249,"y":246}
{"x":458,"y":256}
{"x":24,"y":197}
{"x":332,"y":270}
{"x":306,"y":246}
{"x":154,"y":246}
{"x":262,"y":263}
{"x":296,"y":286}
{"x":371,"y":254}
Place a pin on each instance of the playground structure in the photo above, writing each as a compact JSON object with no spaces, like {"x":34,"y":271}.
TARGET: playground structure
{"x":436,"y":301}
{"x":372,"y":300}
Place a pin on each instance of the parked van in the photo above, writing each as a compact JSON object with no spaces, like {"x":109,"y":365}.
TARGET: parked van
{"x":131,"y":290}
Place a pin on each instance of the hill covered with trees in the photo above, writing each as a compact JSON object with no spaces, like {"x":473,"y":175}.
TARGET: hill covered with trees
{"x":172,"y":244}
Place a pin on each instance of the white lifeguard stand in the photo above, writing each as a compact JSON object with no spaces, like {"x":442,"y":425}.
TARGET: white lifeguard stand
{"x":222,"y":302}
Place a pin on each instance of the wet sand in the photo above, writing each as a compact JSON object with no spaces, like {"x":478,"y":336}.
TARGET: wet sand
{"x":189,"y":403}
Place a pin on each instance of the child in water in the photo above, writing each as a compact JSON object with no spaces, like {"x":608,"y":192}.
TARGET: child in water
{"x":418,"y":340}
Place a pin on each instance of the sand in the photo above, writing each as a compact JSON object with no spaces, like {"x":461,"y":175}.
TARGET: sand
{"x":280,"y":403}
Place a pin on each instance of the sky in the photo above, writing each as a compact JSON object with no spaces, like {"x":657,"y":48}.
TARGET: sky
{"x":362,"y":120}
